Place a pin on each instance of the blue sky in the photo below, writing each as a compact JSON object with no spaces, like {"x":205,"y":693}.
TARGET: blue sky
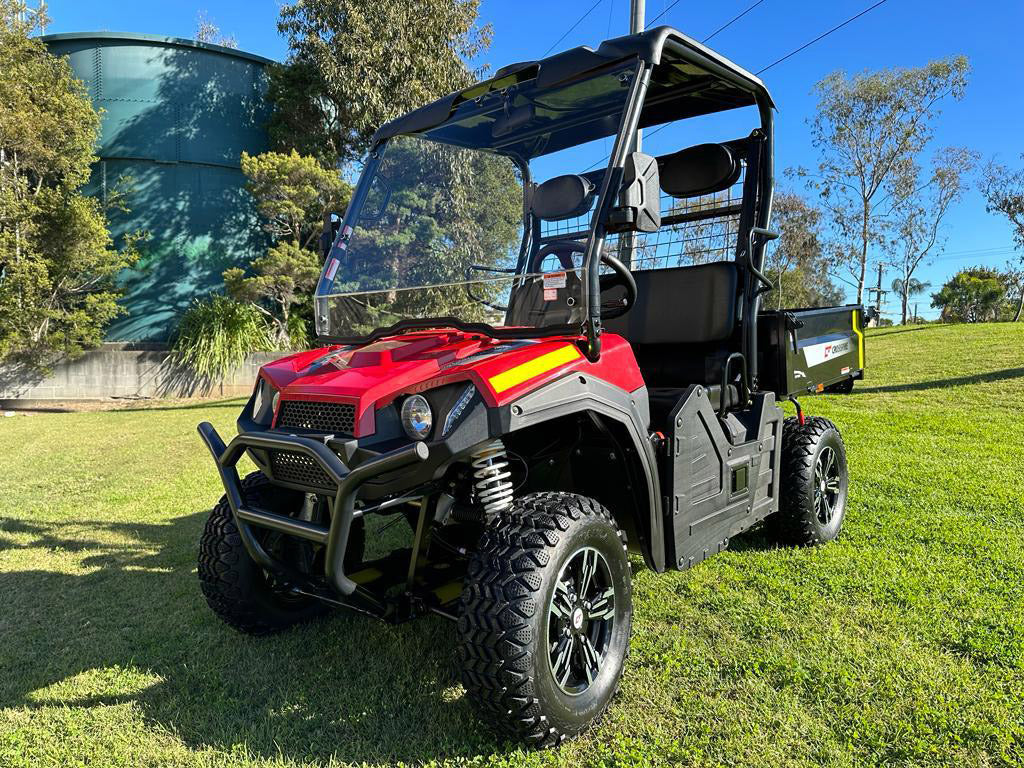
{"x":899,"y":33}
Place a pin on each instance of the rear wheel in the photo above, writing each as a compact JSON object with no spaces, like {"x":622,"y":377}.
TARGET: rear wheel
{"x":239,"y":591}
{"x":812,"y":504}
{"x":546,"y":618}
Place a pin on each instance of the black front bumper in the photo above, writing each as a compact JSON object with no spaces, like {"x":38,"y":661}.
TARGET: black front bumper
{"x":346,"y":481}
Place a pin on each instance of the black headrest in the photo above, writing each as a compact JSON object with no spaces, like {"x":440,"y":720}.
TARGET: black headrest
{"x":563,"y":197}
{"x":699,"y":170}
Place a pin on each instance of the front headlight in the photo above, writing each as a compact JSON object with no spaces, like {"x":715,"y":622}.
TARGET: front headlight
{"x":264,"y":402}
{"x":257,"y":399}
{"x":417,"y":418}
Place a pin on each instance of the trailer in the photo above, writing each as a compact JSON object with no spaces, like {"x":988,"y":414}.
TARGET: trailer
{"x":809,"y":351}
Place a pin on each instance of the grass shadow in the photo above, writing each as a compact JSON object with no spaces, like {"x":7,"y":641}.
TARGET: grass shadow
{"x":235,"y":402}
{"x":877,"y":334}
{"x":756,"y":539}
{"x":917,"y":386}
{"x":346,"y":687}
{"x":90,"y":406}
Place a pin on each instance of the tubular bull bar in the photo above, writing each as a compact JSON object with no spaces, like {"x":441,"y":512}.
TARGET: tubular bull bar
{"x":347,"y":481}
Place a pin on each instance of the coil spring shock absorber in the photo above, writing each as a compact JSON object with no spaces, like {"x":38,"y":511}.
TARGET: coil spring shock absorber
{"x":492,"y":481}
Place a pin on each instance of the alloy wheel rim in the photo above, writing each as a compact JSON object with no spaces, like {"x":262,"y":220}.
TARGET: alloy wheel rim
{"x":581,"y":617}
{"x":827,"y":485}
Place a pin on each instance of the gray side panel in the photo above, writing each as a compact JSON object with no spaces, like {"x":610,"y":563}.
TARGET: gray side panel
{"x":576,"y":393}
{"x":705,"y":509}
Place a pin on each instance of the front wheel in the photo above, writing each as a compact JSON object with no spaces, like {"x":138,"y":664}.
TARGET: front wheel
{"x":814,"y":482}
{"x":546,"y":618}
{"x":238,"y":590}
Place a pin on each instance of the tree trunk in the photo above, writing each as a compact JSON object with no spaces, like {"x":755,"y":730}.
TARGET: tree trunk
{"x":860,"y":282}
{"x":1020,"y":306}
{"x":864,"y":255}
{"x":903,"y":296}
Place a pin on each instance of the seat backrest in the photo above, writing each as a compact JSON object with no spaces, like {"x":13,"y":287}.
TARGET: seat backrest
{"x":682,"y":305}
{"x":563,"y":197}
{"x":700,"y":170}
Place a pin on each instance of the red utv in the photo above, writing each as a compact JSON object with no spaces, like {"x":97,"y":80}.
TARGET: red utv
{"x":537,"y":374}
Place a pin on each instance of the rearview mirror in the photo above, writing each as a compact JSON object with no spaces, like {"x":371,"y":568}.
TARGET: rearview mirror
{"x":638,"y":208}
{"x":512,"y":121}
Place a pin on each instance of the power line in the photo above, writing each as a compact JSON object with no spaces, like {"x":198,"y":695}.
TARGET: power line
{"x":731,"y":21}
{"x":570,"y":29}
{"x":765,"y":69}
{"x":821,"y":37}
{"x":979,"y":254}
{"x":668,"y":8}
{"x":725,"y":26}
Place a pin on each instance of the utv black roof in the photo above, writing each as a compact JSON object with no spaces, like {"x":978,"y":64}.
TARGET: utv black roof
{"x":697,"y":81}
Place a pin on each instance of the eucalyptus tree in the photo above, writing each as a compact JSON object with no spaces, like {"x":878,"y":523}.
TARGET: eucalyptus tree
{"x":920,"y":206}
{"x":796,"y":262}
{"x":870,"y":129}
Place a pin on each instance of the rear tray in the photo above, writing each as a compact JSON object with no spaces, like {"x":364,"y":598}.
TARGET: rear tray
{"x":809,"y":350}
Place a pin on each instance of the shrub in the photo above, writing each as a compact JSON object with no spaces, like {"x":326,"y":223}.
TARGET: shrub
{"x":216,"y":335}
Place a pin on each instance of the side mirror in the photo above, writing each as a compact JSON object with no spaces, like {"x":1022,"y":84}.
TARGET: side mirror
{"x":639,"y":205}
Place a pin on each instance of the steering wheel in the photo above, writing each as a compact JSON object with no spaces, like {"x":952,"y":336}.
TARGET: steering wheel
{"x":560,"y":249}
{"x":620,"y":277}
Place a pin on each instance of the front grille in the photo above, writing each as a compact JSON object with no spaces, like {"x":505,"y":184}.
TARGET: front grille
{"x":333,"y":418}
{"x":298,"y":469}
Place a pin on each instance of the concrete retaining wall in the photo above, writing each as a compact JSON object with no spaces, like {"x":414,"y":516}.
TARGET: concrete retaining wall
{"x":126,"y":370}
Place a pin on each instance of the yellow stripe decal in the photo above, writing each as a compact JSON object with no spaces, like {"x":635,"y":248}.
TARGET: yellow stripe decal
{"x":860,"y":341}
{"x":535,"y":367}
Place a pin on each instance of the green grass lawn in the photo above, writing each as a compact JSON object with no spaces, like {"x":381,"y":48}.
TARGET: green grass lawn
{"x":902,"y":643}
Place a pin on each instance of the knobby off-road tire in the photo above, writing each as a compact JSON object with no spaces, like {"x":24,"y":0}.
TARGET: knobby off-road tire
{"x":814,"y":484}
{"x":525,"y":606}
{"x":238,"y":590}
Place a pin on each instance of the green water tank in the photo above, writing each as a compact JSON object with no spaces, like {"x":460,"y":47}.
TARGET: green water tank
{"x":177,"y":115}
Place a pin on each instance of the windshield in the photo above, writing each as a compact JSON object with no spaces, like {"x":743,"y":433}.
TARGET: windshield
{"x":441,"y":225}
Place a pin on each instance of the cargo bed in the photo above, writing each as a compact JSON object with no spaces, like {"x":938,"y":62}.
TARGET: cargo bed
{"x":804,"y":351}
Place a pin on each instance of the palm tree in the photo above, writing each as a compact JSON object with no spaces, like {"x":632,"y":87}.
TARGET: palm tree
{"x":906,"y":289}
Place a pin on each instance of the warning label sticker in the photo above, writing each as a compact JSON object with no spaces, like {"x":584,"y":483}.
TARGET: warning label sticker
{"x":550,"y":294}
{"x":332,"y":269}
{"x":554,"y":280}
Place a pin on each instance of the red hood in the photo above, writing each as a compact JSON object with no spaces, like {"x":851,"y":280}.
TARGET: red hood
{"x":371,"y":376}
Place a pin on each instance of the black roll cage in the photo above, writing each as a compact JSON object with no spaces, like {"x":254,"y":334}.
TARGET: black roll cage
{"x":647,"y":49}
{"x":755,"y":214}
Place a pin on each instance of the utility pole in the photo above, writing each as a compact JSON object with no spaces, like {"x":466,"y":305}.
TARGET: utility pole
{"x":637,"y":13}
{"x":879,"y":294}
{"x":915,"y":313}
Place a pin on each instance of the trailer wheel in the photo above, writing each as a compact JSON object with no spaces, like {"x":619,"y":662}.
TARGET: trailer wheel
{"x":843,"y":387}
{"x":545,"y":618}
{"x":238,"y":590}
{"x":814,"y":483}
